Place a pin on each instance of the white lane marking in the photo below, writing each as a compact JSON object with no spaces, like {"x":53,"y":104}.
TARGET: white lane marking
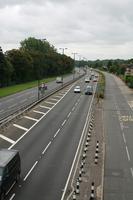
{"x":53,"y":99}
{"x":10,"y":187}
{"x":58,"y":96}
{"x":21,"y":127}
{"x":124,"y":137}
{"x":13,"y":195}
{"x":30,"y":171}
{"x":49,"y":102}
{"x":13,"y":105}
{"x":7,"y":139}
{"x":76,"y":103}
{"x":46,"y":147}
{"x":27,"y":117}
{"x":127,"y":153}
{"x":37,"y":121}
{"x":73,"y":108}
{"x":36,"y":111}
{"x":131,"y":171}
{"x":57,"y":132}
{"x":130,"y":103}
{"x":78,"y":152}
{"x":63,"y":123}
{"x":44,"y":107}
{"x":69,"y":114}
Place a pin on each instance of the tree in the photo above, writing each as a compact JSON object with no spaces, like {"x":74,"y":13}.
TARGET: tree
{"x":6,"y":70}
{"x":23,"y":65}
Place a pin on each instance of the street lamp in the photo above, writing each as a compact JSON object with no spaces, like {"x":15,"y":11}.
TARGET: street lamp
{"x":63,"y":51}
{"x":74,"y":63}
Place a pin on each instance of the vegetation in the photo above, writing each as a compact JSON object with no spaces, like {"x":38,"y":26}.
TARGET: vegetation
{"x":34,"y":60}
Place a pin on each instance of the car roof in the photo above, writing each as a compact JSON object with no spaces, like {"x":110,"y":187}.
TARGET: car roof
{"x":6,"y":155}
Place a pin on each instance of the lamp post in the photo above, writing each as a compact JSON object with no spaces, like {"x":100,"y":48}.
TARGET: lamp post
{"x":74,"y":63}
{"x":63,"y":51}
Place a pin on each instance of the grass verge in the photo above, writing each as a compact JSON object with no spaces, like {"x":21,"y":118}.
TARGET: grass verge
{"x":20,"y":87}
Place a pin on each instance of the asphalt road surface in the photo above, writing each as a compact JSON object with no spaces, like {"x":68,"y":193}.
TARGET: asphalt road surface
{"x":118,"y":118}
{"x":47,"y":138}
{"x":12,"y":103}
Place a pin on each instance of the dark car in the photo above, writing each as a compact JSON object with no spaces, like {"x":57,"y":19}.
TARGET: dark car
{"x":89,"y":90}
{"x":9,"y":170}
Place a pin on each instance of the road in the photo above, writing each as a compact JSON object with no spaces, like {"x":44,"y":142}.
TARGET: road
{"x":118,"y":119}
{"x":12,"y":103}
{"x":47,"y":138}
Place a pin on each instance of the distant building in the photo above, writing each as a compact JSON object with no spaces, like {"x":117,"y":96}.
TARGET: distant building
{"x":129,"y":70}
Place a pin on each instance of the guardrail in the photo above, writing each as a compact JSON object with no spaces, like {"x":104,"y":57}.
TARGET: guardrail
{"x":26,"y":108}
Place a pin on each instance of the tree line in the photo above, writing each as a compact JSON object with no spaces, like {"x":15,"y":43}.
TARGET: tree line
{"x":35,"y":59}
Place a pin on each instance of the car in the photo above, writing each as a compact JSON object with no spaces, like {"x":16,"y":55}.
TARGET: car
{"x":10,"y":169}
{"x":94,"y":80}
{"x":59,"y":79}
{"x":87,"y":80}
{"x":77,"y":89}
{"x":89,"y":90}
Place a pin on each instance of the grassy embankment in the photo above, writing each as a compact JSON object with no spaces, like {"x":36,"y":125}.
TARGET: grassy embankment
{"x":20,"y":87}
{"x":101,"y":85}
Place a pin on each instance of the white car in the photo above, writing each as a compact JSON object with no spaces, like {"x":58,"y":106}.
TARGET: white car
{"x":77,"y":89}
{"x":87,"y":80}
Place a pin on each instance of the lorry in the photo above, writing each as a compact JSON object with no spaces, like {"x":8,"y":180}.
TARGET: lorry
{"x":10,"y":169}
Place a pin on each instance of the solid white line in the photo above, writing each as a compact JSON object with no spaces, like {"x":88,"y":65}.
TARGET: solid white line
{"x":127,"y":153}
{"x":49,"y":102}
{"x":30,"y":171}
{"x":45,"y":107}
{"x":27,"y":117}
{"x":69,"y":114}
{"x":37,"y":122}
{"x":13,"y":195}
{"x":46,"y":147}
{"x":57,"y":132}
{"x":63,"y":123}
{"x":7,"y":139}
{"x":21,"y":127}
{"x":131,"y":171}
{"x":124,"y":138}
{"x":36,"y":111}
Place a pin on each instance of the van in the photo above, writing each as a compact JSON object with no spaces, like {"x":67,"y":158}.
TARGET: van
{"x":59,"y":79}
{"x":10,"y":169}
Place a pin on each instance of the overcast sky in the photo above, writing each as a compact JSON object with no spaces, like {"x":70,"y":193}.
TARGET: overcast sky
{"x":95,"y":29}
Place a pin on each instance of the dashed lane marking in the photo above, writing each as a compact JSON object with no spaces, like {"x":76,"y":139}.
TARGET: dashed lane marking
{"x":124,"y":137}
{"x":49,"y":102}
{"x":27,"y":117}
{"x":30,"y":171}
{"x":57,"y":132}
{"x":36,"y":111}
{"x":21,"y":127}
{"x":46,"y":147}
{"x":130,"y":103}
{"x":131,"y":171}
{"x":44,"y":107}
{"x":64,"y":122}
{"x":127,"y":153}
{"x":7,"y":139}
{"x":13,"y":195}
